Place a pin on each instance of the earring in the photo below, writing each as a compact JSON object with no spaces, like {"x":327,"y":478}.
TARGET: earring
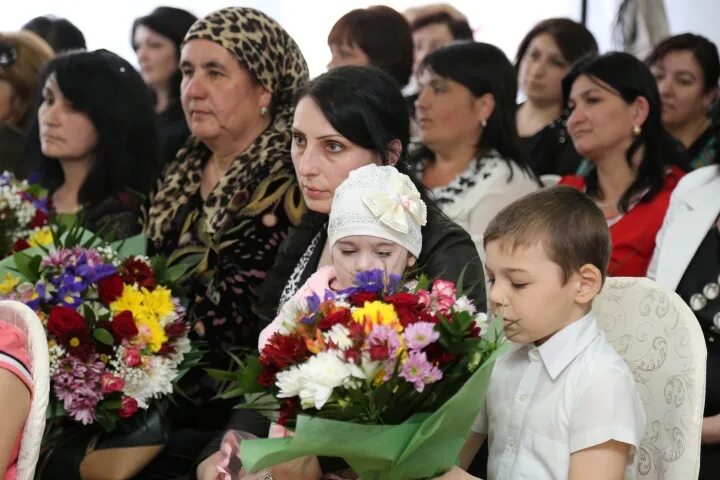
{"x":637,"y":130}
{"x":483,"y":124}
{"x":263,"y":111}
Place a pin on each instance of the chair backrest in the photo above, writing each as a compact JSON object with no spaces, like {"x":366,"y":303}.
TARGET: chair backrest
{"x":24,"y":318}
{"x":659,"y":337}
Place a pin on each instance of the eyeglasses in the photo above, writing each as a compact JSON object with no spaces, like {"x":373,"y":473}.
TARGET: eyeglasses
{"x":8,"y":55}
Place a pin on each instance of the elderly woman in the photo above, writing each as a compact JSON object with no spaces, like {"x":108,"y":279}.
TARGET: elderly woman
{"x":227,"y":201}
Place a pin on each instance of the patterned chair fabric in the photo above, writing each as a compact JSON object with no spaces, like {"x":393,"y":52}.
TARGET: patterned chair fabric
{"x":24,"y":318}
{"x":660,"y":339}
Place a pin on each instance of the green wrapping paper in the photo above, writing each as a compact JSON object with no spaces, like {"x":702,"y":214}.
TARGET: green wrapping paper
{"x":423,"y":446}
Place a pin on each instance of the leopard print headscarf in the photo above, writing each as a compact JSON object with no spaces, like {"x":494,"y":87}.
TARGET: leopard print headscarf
{"x":267,"y":51}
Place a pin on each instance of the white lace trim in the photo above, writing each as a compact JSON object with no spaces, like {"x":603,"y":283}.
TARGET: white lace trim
{"x":293,"y":283}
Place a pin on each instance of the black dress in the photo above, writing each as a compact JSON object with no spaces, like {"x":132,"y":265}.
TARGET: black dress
{"x":705,"y":150}
{"x":12,"y":159}
{"x":699,"y":287}
{"x":551,"y":150}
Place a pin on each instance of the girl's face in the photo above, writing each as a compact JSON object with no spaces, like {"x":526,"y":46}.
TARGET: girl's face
{"x":65,"y":133}
{"x":358,"y":253}
{"x":322,"y":157}
{"x":682,"y":89}
{"x":542,"y":69}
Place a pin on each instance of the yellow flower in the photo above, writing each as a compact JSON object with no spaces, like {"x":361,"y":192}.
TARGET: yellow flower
{"x":41,"y":237}
{"x":159,"y":301}
{"x":130,"y":300}
{"x":151,"y":332}
{"x":9,"y":283}
{"x":377,"y":313}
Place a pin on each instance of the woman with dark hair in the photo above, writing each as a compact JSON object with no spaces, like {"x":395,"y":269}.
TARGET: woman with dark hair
{"x":543,"y":59}
{"x":60,"y":33}
{"x":22,"y":56}
{"x":687,"y":68}
{"x":470,"y":158}
{"x":91,"y":146}
{"x":156,"y":39}
{"x":687,"y":260}
{"x":615,"y":123}
{"x":347,"y":118}
{"x":377,"y":36}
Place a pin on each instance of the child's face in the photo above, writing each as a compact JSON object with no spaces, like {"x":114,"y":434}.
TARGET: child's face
{"x":527,"y":288}
{"x":358,"y":253}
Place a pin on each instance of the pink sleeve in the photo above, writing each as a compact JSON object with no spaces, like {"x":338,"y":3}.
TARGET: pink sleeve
{"x":13,"y":353}
{"x":317,"y":283}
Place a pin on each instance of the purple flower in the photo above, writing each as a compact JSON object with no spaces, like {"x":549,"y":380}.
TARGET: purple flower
{"x":418,"y":371}
{"x":77,"y":385}
{"x":371,"y":280}
{"x":419,"y":335}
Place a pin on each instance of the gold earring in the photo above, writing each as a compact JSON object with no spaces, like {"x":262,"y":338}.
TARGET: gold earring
{"x":263,"y":111}
{"x":637,"y":130}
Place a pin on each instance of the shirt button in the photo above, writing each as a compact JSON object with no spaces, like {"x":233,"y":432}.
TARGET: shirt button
{"x":524,"y":397}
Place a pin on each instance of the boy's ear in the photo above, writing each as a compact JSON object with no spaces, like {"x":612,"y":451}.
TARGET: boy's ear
{"x":589,"y":283}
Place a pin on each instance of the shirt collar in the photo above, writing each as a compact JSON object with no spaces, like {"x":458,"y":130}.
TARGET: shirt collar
{"x":560,"y":349}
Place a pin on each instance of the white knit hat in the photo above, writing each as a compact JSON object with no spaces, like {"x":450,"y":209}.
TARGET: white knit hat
{"x":379,"y":202}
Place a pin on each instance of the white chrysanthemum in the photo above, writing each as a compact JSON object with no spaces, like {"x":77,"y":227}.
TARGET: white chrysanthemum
{"x":153,"y":381}
{"x":339,"y":335}
{"x":321,"y":375}
{"x":290,"y":382}
{"x":464,"y":304}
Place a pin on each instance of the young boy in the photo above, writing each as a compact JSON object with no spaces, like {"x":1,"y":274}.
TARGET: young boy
{"x":561,"y":404}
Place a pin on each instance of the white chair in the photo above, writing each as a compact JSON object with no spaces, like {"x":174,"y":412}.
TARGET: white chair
{"x":660,"y":339}
{"x":24,"y":318}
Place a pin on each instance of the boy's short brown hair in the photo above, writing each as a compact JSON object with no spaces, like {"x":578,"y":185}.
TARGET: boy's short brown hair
{"x":572,"y":229}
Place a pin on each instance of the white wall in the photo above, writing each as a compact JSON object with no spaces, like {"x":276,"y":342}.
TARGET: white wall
{"x":502,"y":22}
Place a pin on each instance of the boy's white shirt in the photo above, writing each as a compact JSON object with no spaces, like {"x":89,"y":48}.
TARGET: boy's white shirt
{"x":544,"y":403}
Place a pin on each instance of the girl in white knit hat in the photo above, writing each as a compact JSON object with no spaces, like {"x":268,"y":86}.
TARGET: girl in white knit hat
{"x":375,"y":223}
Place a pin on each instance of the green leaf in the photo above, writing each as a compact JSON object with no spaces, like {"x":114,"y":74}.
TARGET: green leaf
{"x":28,"y":266}
{"x":175,"y":273}
{"x":222,"y":375}
{"x":103,"y":336}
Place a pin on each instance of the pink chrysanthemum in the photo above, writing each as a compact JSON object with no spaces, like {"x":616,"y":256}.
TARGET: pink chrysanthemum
{"x":418,"y":371}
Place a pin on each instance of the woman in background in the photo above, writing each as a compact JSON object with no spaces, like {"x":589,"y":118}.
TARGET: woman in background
{"x":22,"y":56}
{"x":687,"y":68}
{"x":544,"y":57}
{"x":156,"y":39}
{"x":469,"y":157}
{"x":615,"y":123}
{"x":96,"y":152}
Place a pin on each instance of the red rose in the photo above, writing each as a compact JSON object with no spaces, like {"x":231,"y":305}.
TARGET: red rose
{"x":128,"y":407}
{"x":65,"y":323}
{"x":132,"y":357}
{"x":288,"y":409}
{"x":437,"y":354}
{"x":110,"y":383}
{"x":137,"y":271}
{"x":20,"y":245}
{"x":358,"y":299}
{"x":379,"y":352}
{"x":123,"y":325}
{"x":353,"y":355}
{"x":110,"y":288}
{"x":40,"y":219}
{"x":341,"y":316}
{"x":407,"y":306}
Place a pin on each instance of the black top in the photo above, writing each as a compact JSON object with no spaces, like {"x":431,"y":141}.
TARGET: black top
{"x":12,"y":143}
{"x":701,"y":277}
{"x":172,"y":132}
{"x":705,"y":150}
{"x":551,"y":150}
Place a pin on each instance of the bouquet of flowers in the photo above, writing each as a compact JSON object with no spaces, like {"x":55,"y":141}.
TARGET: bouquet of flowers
{"x":23,"y":215}
{"x":387,"y":375}
{"x":117,"y":336}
